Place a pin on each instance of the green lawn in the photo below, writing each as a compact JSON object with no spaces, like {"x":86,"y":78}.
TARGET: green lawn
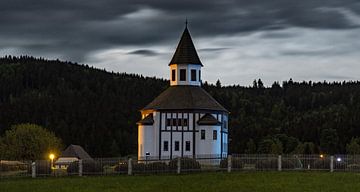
{"x":208,"y":182}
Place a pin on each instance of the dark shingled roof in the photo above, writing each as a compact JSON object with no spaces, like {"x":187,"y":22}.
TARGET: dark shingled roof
{"x":75,"y":151}
{"x":185,"y":52}
{"x":184,"y":97}
{"x":148,"y":120}
{"x":208,"y":119}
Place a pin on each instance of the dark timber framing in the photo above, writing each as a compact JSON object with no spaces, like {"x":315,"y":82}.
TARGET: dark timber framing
{"x":160,"y":133}
{"x":193,"y":129}
{"x":182,"y":134}
{"x":221,"y":134}
{"x":196,"y":115}
{"x":171,"y":141}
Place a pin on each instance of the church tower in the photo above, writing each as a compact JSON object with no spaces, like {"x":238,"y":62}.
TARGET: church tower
{"x":184,"y":120}
{"x":185,"y":66}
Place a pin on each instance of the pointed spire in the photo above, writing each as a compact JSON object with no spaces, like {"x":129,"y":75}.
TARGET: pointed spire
{"x":185,"y":52}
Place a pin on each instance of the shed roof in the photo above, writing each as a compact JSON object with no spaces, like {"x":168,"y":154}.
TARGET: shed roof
{"x":75,"y":151}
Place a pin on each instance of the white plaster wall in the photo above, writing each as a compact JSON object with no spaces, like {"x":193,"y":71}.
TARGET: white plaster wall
{"x":156,"y":130}
{"x":176,"y":137}
{"x":145,"y":140}
{"x":188,"y":137}
{"x":208,"y":146}
{"x":165,"y":136}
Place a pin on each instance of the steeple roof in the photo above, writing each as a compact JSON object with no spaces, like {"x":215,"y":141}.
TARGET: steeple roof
{"x":185,"y":52}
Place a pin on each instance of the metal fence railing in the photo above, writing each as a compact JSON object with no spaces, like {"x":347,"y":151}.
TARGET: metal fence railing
{"x":15,"y":168}
{"x":186,"y":164}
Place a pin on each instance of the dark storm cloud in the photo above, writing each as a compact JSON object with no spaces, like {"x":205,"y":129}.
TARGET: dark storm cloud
{"x":144,"y":52}
{"x":213,"y":49}
{"x":73,"y":29}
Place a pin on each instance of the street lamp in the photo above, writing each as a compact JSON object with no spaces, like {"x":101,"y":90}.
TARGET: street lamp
{"x":52,"y":156}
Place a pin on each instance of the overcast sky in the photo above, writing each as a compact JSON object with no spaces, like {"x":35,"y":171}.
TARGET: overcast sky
{"x":238,"y":41}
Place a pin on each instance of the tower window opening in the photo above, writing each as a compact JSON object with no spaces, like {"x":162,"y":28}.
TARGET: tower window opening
{"x":173,"y":72}
{"x":193,"y":75}
{"x":182,"y":74}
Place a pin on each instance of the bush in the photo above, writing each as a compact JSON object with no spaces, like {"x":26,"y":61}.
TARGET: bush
{"x":290,"y":164}
{"x":185,"y":163}
{"x":267,"y":164}
{"x":89,"y":167}
{"x":121,"y":168}
{"x":157,"y":166}
{"x":321,"y":164}
{"x":235,"y":163}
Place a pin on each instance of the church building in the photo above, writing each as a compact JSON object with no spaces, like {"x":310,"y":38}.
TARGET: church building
{"x":184,"y":120}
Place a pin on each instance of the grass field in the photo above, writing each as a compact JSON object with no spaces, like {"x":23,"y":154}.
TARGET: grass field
{"x":208,"y":182}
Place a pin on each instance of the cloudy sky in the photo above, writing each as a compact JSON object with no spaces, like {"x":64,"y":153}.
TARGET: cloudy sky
{"x":238,"y":41}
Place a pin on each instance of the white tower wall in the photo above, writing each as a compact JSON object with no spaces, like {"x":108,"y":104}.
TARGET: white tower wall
{"x":188,"y":80}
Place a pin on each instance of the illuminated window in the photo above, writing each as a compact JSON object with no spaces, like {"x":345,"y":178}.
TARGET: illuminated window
{"x":166,"y":145}
{"x":185,"y":122}
{"x":173,"y":75}
{"x":193,"y":75}
{"x":174,"y":122}
{"x":187,"y":146}
{"x":182,"y":74}
{"x":214,"y":134}
{"x":168,"y":122}
{"x":177,"y":146}
{"x":202,"y":134}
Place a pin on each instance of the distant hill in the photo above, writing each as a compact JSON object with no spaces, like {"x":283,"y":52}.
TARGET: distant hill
{"x":99,"y":110}
{"x":82,"y":105}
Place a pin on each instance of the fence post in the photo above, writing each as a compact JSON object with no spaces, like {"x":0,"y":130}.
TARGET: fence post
{"x":80,"y":167}
{"x":279,"y":163}
{"x":33,"y":170}
{"x":130,"y":166}
{"x":178,"y":165}
{"x":229,"y":163}
{"x":332,"y":164}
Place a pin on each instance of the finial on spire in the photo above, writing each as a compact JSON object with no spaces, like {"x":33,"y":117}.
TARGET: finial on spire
{"x":186,"y":22}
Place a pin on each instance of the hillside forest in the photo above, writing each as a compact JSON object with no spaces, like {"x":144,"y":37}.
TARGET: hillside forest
{"x":99,"y":110}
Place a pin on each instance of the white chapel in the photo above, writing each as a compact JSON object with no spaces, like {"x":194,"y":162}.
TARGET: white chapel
{"x":184,"y":120}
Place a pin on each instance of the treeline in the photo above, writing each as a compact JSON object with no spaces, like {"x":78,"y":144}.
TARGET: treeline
{"x":99,"y":110}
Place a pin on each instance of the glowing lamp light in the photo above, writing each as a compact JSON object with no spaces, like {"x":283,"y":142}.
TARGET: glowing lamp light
{"x":321,"y":156}
{"x":338,"y":159}
{"x":52,"y":156}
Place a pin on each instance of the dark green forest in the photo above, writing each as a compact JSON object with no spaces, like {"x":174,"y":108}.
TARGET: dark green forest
{"x":99,"y":109}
